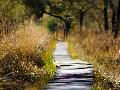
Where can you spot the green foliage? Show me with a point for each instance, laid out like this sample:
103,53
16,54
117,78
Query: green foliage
56,6
52,24
60,8
49,67
37,6
13,10
12,13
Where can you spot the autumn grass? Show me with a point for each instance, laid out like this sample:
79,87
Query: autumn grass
72,51
101,50
24,59
102,83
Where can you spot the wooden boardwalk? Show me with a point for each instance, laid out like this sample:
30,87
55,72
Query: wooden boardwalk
71,74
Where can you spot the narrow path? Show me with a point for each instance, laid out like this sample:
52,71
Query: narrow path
71,74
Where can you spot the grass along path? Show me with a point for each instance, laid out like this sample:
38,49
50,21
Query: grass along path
71,74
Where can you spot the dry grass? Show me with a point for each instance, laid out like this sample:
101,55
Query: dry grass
23,57
101,49
72,51
12,13
25,39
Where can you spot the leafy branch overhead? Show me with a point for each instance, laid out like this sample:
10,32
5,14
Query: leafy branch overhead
100,11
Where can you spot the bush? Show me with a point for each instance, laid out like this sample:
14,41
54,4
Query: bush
12,12
52,24
101,50
23,59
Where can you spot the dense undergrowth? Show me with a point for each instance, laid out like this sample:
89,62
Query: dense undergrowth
12,13
24,57
25,47
101,50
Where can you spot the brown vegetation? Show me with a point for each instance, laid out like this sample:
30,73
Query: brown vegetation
101,50
23,59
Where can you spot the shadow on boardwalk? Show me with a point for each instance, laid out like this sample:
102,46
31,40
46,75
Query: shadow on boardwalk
71,74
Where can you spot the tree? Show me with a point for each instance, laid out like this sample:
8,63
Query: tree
115,7
106,15
67,27
12,12
61,10
37,6
81,8
52,26
118,19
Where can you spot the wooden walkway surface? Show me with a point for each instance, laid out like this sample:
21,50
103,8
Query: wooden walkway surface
71,74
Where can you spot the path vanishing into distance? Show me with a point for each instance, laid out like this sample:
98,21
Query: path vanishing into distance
71,74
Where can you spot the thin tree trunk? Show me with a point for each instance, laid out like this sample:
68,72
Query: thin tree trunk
118,16
106,26
81,19
64,34
99,25
117,25
67,28
113,21
57,34
115,18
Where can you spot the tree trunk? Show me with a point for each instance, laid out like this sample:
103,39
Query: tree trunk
97,20
117,25
67,28
81,19
57,34
106,26
118,13
115,18
113,21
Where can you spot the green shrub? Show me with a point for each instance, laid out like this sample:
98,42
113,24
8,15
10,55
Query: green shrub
12,13
52,24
